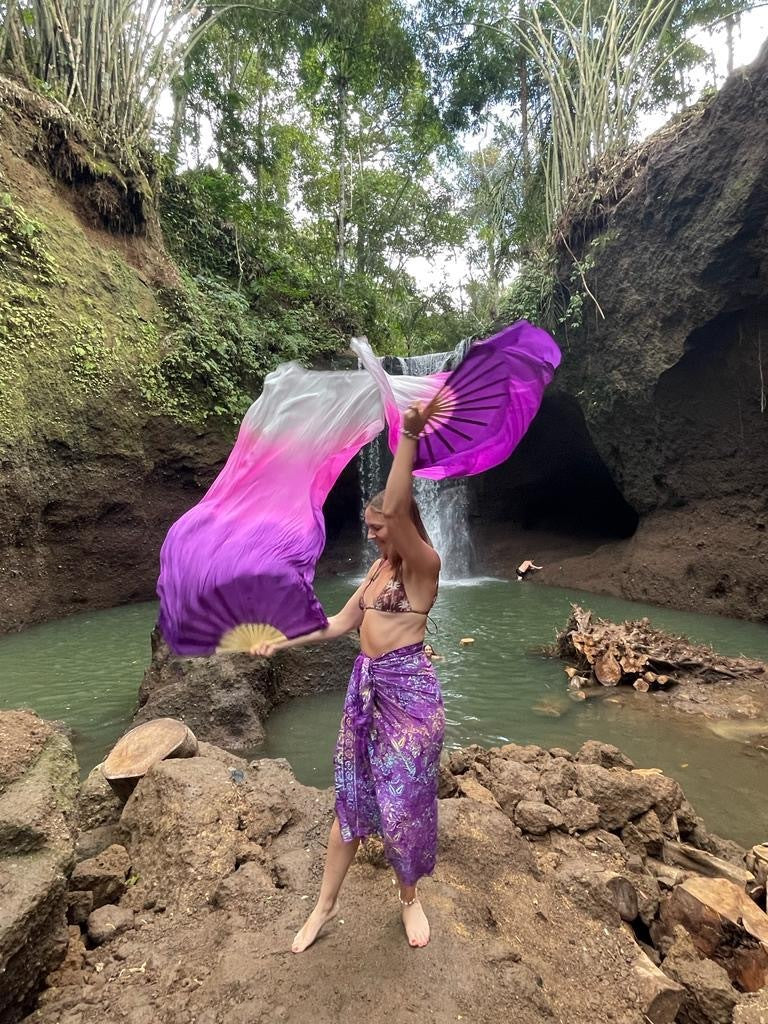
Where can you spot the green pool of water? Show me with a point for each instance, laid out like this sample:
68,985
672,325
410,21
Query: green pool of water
85,670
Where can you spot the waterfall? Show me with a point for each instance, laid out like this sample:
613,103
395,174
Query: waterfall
444,504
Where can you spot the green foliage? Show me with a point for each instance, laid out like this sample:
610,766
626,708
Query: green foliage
21,243
539,294
218,350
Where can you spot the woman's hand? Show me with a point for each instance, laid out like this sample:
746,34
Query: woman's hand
414,418
264,650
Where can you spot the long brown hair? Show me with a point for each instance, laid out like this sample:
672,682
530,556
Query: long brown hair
377,504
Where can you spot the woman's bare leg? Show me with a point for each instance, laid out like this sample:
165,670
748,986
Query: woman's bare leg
338,856
414,919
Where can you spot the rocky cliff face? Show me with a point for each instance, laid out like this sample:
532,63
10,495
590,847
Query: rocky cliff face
660,412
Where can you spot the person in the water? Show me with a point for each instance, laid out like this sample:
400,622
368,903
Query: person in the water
526,568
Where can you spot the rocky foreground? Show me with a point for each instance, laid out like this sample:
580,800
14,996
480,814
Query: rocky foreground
570,887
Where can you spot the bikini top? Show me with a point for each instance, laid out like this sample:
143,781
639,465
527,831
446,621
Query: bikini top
392,598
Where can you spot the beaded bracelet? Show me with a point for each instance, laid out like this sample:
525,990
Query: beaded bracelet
407,433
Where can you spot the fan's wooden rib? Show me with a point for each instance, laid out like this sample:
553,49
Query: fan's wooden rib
429,447
446,443
465,419
450,426
462,394
246,635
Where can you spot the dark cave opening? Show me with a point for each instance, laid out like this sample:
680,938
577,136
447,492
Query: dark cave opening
555,480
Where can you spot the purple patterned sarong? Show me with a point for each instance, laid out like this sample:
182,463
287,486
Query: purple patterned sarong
387,758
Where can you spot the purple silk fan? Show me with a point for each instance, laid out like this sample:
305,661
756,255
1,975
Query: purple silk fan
480,411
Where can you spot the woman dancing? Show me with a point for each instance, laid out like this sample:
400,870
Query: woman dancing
388,751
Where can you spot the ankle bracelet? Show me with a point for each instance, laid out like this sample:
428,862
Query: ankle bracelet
407,903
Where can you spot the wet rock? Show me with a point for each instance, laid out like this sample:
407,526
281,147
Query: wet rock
537,818
103,875
107,922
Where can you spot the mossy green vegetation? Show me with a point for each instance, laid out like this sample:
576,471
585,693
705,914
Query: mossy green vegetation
82,319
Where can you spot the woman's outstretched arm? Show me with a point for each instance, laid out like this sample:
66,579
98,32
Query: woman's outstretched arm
350,617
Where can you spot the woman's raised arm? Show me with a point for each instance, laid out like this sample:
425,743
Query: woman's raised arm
419,556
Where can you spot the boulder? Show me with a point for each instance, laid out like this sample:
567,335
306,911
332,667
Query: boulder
624,795
96,840
38,783
557,780
537,818
659,998
603,754
107,922
709,995
579,815
598,889
104,875
469,786
225,699
528,754
192,821
512,781
723,923
97,802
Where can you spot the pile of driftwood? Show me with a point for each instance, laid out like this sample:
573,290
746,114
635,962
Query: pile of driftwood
611,653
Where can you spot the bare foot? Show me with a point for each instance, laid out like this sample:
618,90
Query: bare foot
416,925
307,935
